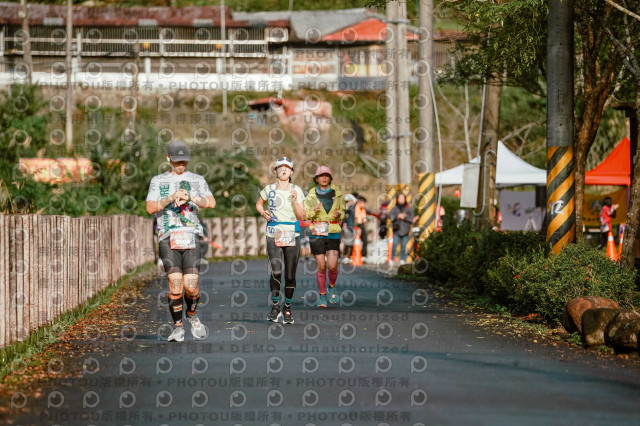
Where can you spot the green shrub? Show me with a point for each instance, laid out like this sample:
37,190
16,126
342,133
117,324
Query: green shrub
446,251
123,163
461,255
512,269
493,246
539,284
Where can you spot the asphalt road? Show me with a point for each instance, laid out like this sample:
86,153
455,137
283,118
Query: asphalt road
387,354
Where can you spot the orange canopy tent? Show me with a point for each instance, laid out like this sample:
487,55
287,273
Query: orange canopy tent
613,170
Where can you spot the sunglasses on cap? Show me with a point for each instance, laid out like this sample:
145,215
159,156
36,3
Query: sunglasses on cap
284,161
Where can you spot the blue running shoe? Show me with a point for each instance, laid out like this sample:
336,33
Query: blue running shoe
322,301
333,294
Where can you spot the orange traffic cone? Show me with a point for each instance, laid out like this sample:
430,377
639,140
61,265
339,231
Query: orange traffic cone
611,247
390,252
620,249
356,256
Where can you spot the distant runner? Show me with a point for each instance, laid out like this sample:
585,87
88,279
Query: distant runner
401,216
283,214
175,197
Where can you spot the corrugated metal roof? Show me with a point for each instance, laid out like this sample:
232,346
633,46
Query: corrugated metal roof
370,30
331,22
39,14
326,21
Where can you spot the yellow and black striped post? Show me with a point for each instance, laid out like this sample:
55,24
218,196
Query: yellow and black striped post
426,204
406,190
392,194
561,213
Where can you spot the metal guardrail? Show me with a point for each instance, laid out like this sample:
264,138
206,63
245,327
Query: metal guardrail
148,41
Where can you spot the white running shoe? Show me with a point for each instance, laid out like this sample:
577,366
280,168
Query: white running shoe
177,335
197,328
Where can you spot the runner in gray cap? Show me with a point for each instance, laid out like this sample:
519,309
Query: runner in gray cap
175,198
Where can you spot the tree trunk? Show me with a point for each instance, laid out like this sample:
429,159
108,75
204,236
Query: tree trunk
627,257
597,77
490,129
69,89
580,158
585,136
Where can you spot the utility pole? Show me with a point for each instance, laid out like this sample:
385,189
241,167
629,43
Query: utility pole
133,114
426,142
391,102
26,44
69,89
223,35
561,214
404,125
488,154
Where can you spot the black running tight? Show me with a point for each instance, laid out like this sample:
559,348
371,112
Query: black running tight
283,258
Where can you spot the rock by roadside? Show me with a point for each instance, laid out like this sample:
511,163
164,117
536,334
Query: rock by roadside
605,324
577,306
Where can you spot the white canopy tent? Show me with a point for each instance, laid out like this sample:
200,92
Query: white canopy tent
511,170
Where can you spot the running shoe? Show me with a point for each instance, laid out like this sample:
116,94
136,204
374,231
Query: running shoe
197,328
275,313
177,335
333,294
322,301
288,318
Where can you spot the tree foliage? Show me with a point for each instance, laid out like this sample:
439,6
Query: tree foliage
505,39
22,127
123,161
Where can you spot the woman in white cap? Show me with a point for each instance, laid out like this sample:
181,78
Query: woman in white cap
325,207
283,212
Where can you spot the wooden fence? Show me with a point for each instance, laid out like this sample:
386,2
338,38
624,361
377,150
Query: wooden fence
50,264
237,236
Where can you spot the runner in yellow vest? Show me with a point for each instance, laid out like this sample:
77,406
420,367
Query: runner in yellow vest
325,207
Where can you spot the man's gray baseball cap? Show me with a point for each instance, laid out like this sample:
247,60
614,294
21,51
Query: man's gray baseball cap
178,151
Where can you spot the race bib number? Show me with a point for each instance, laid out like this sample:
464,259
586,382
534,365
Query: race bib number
320,229
285,238
182,239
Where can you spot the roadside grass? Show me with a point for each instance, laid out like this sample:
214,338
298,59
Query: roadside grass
21,356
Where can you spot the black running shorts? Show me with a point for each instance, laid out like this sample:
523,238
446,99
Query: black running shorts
323,245
183,261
